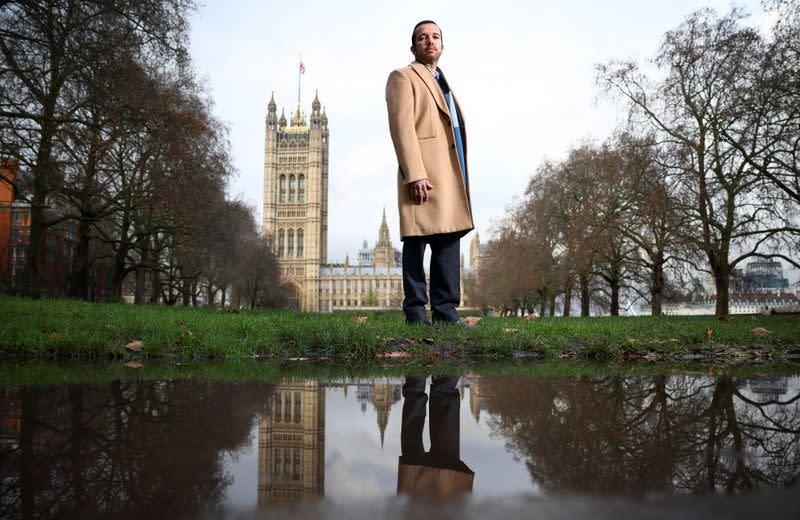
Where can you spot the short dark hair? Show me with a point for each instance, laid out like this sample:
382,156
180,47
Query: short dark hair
423,22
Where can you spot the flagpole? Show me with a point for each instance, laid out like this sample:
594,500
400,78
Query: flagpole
299,71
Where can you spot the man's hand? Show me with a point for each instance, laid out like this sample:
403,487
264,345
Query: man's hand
419,190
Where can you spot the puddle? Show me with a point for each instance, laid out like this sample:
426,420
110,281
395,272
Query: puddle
584,445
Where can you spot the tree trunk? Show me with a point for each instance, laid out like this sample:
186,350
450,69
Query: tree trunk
186,289
80,268
567,297
552,306
141,281
584,282
155,286
43,175
721,281
657,287
543,303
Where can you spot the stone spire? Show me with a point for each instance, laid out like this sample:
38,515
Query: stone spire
383,232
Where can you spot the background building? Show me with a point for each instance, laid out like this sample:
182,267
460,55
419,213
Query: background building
296,216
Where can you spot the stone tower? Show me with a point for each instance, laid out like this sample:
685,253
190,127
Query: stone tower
296,197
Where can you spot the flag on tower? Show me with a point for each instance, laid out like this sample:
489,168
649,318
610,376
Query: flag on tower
302,68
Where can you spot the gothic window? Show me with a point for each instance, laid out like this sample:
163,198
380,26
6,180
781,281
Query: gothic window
297,406
277,469
280,243
301,189
282,188
287,407
300,239
297,464
290,243
292,187
287,463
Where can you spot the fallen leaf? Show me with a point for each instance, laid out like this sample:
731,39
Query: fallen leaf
180,322
360,319
471,321
388,340
633,341
134,345
429,341
133,364
530,317
394,354
761,331
53,335
510,331
673,340
724,318
709,333
753,318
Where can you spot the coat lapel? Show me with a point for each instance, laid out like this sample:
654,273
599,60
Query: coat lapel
423,72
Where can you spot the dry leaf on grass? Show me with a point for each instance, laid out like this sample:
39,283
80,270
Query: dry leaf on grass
753,318
53,335
510,331
394,354
709,333
673,340
529,317
180,322
134,345
471,321
133,364
724,318
360,319
761,331
633,341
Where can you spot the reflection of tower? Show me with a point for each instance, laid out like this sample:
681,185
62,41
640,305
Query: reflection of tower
384,395
363,395
291,444
475,397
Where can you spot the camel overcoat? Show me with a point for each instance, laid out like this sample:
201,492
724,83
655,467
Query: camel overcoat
423,138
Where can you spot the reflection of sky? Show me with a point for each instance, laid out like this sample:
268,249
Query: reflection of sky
356,468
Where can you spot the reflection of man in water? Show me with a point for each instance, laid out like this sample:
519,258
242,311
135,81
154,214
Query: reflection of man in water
439,472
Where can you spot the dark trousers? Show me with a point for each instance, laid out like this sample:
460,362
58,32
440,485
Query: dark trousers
445,277
444,426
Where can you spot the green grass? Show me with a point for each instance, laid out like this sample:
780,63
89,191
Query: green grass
79,331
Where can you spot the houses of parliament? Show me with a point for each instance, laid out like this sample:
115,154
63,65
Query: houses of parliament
295,214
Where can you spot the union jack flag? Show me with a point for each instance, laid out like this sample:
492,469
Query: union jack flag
302,68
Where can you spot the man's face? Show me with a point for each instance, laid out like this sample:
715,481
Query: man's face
427,43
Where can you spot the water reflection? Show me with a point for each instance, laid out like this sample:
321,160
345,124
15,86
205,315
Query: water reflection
632,435
438,472
165,448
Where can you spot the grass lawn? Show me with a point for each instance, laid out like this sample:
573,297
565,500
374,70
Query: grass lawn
75,330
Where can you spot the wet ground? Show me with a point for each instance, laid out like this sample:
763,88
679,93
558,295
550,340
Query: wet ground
688,445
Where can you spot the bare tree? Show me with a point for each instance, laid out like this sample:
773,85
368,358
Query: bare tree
710,63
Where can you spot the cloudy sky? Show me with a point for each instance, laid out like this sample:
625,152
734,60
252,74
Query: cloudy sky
522,70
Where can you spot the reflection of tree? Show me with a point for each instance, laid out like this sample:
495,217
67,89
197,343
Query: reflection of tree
135,449
630,435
